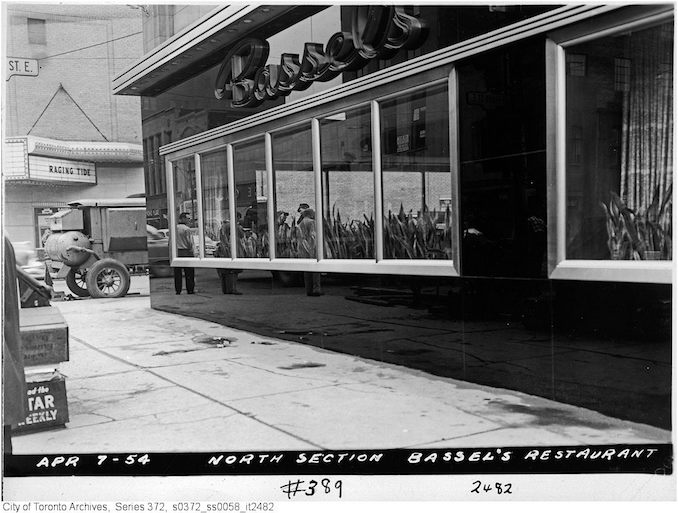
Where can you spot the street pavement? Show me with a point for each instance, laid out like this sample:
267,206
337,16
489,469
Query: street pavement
142,380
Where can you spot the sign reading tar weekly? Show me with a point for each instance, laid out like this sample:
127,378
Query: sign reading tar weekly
59,170
47,405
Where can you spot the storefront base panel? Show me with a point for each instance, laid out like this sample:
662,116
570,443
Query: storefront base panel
606,347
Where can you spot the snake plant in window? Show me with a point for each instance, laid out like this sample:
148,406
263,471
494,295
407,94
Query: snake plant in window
348,240
642,235
423,237
654,226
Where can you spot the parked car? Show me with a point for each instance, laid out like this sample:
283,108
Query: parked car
158,252
210,246
27,259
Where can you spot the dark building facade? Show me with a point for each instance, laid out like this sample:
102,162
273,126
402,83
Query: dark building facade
482,193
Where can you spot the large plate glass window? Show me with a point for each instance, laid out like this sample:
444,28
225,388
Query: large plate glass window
502,153
251,199
619,146
186,200
294,186
215,204
347,185
416,181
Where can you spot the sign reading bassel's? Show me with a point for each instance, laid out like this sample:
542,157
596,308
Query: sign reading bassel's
377,32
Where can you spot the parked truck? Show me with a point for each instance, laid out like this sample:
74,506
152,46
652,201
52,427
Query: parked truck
98,241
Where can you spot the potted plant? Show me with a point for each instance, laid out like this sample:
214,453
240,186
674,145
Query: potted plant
642,235
618,220
654,226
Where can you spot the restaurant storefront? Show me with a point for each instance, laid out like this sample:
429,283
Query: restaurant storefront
482,193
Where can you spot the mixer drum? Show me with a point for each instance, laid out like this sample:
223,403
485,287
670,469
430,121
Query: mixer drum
57,248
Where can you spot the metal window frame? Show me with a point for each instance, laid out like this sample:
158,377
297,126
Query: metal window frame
378,176
367,105
171,216
451,85
199,193
559,266
171,207
232,213
378,265
570,25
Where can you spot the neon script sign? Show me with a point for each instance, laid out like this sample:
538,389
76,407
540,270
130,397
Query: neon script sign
376,32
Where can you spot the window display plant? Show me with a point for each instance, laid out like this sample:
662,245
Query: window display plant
348,240
642,235
425,237
417,238
288,240
654,226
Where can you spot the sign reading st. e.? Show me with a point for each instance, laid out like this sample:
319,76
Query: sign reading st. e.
20,66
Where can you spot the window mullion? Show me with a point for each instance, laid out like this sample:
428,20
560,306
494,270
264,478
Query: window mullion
455,168
198,188
230,176
269,203
317,173
378,197
171,211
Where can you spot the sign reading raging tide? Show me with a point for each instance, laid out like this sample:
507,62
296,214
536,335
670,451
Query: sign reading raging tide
59,170
377,32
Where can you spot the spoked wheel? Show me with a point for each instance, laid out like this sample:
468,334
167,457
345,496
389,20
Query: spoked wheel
76,279
108,278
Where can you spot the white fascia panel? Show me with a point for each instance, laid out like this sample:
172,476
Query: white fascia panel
192,36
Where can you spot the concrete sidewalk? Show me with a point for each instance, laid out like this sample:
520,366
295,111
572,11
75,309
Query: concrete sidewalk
143,380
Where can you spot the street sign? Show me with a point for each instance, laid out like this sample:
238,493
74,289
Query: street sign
20,66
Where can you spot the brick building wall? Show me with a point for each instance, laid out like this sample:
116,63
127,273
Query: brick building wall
79,49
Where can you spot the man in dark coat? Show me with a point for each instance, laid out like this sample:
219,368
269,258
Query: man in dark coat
13,378
306,226
184,249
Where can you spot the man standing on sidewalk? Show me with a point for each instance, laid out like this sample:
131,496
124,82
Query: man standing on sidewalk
306,225
184,249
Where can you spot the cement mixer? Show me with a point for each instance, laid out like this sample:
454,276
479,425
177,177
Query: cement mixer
98,241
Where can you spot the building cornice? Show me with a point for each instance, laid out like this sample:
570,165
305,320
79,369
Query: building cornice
535,26
92,151
204,43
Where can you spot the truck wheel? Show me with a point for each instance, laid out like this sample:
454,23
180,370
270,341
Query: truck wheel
108,278
76,281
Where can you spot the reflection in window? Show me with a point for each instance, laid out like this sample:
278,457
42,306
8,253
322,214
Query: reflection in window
249,171
417,186
294,193
502,149
185,195
576,65
619,197
215,204
348,185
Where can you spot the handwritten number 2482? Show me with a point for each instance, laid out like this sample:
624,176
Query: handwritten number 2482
499,488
